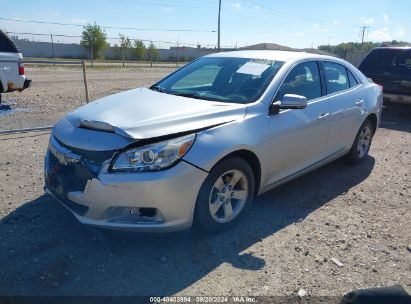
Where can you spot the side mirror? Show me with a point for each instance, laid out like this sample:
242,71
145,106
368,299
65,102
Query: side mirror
289,102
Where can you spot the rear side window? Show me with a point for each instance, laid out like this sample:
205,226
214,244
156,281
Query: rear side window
353,81
387,60
304,80
402,63
378,60
336,77
6,44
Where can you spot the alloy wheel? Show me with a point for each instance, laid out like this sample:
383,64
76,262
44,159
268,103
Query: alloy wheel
364,141
228,196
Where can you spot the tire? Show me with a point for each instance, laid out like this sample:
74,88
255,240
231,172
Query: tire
217,209
362,143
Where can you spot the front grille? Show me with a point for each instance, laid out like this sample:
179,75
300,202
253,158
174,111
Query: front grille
74,176
69,169
97,157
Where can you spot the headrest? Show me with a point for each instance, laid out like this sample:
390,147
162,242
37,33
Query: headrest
332,74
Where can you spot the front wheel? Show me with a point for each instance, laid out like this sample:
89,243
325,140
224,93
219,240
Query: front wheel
225,195
362,143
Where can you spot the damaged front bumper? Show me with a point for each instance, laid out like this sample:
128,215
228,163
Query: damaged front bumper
144,201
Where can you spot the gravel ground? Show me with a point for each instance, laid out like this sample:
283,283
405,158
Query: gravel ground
357,215
58,90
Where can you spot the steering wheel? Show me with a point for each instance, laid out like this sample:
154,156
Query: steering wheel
236,97
251,92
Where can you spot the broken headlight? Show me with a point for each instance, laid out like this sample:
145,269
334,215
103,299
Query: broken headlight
154,157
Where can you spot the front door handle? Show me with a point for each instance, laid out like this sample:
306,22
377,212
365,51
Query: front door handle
323,116
359,102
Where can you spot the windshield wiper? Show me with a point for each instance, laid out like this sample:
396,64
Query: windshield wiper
193,95
158,88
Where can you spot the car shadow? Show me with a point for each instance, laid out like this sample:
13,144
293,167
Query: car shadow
396,117
45,251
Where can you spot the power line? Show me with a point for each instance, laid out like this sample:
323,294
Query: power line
161,4
280,12
43,34
284,27
277,12
107,27
219,28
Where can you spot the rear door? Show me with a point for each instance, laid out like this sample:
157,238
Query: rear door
9,68
401,71
347,100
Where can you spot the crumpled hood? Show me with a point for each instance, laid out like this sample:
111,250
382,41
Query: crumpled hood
143,113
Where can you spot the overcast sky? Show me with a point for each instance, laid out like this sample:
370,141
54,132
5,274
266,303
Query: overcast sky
243,22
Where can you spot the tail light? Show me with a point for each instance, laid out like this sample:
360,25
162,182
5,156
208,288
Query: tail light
21,68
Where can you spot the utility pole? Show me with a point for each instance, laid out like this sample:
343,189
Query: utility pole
178,55
91,39
151,53
362,32
219,14
52,48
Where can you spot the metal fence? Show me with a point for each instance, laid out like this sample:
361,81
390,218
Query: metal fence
54,63
61,85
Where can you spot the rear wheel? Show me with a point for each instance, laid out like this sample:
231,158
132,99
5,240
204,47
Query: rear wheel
225,195
362,143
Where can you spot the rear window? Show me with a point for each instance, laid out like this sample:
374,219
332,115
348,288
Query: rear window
6,44
387,60
352,79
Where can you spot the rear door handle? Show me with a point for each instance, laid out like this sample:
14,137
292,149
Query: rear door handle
323,116
359,102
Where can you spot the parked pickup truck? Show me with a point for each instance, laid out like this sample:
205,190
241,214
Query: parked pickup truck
12,76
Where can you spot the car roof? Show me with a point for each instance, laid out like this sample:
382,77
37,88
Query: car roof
270,55
404,47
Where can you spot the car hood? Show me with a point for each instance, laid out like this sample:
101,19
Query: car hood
143,113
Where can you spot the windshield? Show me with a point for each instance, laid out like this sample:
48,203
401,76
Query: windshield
239,80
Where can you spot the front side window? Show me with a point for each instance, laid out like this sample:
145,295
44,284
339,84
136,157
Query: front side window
336,78
304,80
238,80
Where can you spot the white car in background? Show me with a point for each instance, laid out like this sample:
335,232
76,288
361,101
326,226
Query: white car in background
12,77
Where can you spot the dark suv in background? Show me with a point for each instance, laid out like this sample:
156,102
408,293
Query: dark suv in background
390,67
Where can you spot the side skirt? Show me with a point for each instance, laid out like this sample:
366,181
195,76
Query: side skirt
301,172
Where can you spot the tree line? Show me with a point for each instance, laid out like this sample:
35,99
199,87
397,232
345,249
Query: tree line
345,48
94,40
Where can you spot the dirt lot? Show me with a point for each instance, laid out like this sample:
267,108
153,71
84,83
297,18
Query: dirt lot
57,90
359,215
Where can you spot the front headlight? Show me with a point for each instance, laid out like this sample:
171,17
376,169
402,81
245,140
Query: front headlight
154,157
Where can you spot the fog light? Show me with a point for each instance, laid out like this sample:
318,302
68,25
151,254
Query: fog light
133,215
148,212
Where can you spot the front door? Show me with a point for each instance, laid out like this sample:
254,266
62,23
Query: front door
298,138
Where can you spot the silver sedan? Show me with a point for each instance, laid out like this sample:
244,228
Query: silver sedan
197,146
